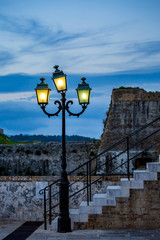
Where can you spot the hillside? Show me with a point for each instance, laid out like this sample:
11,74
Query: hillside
5,140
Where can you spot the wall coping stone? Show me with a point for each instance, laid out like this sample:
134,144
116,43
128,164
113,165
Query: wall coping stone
54,178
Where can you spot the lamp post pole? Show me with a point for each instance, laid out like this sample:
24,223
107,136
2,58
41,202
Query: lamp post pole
43,91
64,221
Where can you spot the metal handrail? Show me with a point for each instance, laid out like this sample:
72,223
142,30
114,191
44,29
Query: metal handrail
89,172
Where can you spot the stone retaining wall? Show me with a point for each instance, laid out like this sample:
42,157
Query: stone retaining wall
20,199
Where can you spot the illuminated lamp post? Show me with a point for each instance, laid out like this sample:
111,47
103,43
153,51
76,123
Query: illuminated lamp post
83,92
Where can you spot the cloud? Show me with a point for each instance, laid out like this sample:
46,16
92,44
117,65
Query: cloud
37,45
6,58
35,30
146,48
18,96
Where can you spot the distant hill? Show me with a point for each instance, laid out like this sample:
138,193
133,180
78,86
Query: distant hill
5,139
54,138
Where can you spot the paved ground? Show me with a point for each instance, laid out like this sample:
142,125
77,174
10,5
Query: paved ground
7,227
40,234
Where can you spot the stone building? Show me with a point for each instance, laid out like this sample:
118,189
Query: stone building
130,109
1,131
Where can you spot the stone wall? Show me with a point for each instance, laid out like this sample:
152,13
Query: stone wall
114,159
44,158
20,199
1,131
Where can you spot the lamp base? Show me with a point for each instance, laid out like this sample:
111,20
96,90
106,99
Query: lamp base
64,224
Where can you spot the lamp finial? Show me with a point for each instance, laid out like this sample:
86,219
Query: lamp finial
56,68
83,79
42,79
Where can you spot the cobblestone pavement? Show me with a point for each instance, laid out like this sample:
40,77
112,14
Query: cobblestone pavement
40,234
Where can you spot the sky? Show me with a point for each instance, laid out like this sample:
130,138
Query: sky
112,43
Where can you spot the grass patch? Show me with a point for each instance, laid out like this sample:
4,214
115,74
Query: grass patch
5,140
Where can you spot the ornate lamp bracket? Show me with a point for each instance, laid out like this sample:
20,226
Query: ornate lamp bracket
52,114
84,106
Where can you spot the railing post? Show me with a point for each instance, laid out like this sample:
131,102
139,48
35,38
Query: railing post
128,163
45,215
87,187
50,205
90,193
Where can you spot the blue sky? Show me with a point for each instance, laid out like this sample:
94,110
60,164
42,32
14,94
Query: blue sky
112,43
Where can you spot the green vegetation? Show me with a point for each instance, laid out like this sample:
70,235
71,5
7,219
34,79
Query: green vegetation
122,87
5,140
41,138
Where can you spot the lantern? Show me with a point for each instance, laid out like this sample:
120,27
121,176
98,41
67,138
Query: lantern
59,79
42,91
83,92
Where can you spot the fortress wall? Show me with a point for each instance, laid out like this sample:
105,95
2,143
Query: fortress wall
130,109
44,159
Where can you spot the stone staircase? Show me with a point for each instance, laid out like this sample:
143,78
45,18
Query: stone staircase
134,203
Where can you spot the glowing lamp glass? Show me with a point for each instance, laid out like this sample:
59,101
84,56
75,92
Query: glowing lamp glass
60,83
43,96
83,96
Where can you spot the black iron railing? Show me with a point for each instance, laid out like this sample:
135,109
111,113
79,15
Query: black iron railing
138,142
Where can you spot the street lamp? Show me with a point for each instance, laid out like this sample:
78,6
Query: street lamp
83,92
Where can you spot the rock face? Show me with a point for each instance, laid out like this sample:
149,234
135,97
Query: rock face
44,158
131,109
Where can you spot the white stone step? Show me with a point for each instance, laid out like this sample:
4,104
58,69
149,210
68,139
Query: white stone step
90,209
132,183
103,200
144,175
76,216
100,199
117,191
153,166
54,224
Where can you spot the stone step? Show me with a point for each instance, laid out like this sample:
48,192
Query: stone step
132,183
76,216
153,166
90,209
117,191
54,224
103,200
144,175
